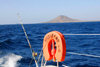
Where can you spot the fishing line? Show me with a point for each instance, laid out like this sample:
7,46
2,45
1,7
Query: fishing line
81,34
89,55
71,34
95,56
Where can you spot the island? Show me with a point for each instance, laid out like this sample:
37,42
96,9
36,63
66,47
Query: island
62,19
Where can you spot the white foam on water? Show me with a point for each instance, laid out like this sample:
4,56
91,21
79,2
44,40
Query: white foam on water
65,66
10,60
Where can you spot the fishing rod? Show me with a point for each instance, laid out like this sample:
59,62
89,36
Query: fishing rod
32,51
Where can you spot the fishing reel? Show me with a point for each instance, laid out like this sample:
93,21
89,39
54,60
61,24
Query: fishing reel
34,53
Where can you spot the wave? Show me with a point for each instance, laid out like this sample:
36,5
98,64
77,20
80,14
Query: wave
10,60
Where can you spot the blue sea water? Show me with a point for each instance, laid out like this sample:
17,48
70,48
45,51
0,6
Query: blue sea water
15,51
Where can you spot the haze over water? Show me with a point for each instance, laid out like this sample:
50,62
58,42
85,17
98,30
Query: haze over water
35,11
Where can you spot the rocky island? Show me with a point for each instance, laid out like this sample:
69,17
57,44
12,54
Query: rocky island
62,19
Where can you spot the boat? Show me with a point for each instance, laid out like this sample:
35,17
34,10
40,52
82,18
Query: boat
54,48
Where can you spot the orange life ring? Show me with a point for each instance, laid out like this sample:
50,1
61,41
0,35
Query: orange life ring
54,46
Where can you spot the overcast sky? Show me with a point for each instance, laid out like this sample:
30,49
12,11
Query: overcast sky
34,11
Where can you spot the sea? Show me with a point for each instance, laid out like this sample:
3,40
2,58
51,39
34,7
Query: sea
15,51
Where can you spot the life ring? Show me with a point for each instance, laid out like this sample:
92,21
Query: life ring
54,46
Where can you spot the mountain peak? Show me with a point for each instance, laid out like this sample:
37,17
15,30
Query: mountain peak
62,18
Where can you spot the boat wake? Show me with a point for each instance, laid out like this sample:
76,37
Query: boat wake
10,60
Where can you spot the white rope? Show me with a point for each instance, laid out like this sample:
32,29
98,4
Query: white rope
40,55
57,64
45,63
81,34
42,63
83,54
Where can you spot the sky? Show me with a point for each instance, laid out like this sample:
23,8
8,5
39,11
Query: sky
35,11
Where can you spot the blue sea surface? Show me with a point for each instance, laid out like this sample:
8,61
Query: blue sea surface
14,46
